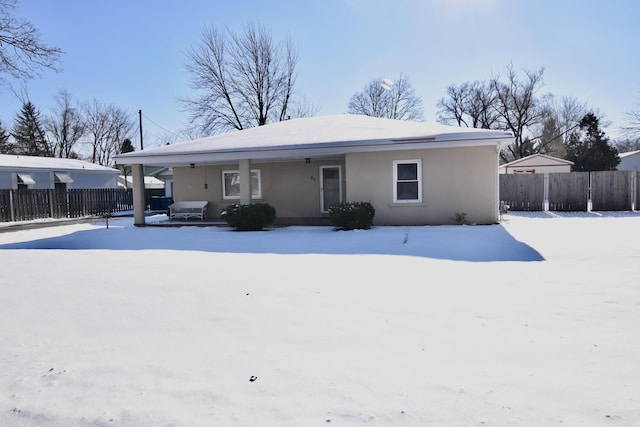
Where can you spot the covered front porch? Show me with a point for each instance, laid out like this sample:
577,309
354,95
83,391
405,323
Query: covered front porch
300,189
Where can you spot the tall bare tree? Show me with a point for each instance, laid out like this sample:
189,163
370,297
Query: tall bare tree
65,126
242,80
22,53
632,128
508,102
519,108
388,99
470,105
625,145
559,120
108,126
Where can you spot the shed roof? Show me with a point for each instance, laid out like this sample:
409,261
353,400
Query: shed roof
539,159
316,136
23,163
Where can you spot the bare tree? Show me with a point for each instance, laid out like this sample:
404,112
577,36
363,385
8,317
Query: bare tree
470,105
519,108
453,109
301,108
559,119
630,140
388,99
22,53
508,103
108,126
632,128
243,80
65,126
97,125
627,144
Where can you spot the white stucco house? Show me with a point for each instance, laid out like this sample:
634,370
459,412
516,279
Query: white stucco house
630,161
537,163
30,172
413,173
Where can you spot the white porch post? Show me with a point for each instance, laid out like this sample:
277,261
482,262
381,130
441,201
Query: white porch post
137,175
245,181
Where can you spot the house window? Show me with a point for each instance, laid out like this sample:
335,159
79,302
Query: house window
407,181
231,184
61,180
24,180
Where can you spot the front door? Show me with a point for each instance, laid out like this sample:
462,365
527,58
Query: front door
330,187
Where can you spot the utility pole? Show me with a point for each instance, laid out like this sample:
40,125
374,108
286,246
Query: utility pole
140,119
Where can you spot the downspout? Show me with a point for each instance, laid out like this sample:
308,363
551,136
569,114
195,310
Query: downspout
497,184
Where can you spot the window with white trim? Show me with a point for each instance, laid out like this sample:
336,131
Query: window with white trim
231,184
407,181
61,180
24,180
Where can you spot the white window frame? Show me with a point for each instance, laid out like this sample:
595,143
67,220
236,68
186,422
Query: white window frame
256,193
418,162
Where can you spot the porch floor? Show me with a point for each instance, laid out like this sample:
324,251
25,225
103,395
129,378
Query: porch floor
279,222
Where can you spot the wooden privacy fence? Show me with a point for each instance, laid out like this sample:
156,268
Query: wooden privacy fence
25,205
575,191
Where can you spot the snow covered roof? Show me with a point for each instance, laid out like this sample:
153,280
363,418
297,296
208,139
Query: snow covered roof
547,159
628,154
150,182
316,136
19,162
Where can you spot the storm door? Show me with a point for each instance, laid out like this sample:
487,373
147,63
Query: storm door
330,186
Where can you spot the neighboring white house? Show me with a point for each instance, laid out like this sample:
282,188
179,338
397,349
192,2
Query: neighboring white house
537,163
166,175
30,172
630,161
150,182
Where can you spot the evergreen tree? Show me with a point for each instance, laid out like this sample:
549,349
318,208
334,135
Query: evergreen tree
28,134
126,146
589,148
6,146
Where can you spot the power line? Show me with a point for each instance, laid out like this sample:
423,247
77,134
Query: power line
160,127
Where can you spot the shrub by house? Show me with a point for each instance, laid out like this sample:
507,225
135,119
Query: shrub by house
352,215
249,217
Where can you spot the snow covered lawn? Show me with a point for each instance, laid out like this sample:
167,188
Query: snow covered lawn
532,322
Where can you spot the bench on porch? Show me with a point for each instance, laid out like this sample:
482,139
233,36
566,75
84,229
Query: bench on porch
188,209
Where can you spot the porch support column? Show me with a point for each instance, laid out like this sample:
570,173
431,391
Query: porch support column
245,181
137,176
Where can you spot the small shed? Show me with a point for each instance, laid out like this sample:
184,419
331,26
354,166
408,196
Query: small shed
630,161
536,163
31,172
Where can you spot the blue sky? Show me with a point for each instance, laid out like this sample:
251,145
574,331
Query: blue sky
132,54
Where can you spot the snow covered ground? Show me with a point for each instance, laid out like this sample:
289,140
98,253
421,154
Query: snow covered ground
533,322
